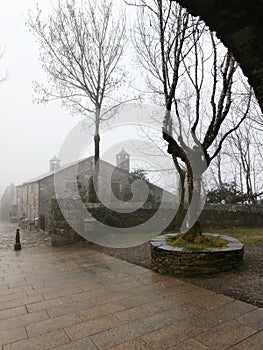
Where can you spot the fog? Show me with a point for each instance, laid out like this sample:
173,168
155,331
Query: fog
31,134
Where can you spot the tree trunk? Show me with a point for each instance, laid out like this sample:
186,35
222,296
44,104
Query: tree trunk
96,155
194,234
179,217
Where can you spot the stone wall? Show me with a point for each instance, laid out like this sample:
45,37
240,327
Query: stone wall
213,216
61,232
230,216
194,262
47,190
220,216
111,218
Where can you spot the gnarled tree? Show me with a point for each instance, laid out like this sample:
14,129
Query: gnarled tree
196,77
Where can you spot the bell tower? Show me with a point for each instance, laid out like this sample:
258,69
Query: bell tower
54,164
123,160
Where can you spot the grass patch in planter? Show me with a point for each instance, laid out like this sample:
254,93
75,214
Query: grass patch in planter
209,242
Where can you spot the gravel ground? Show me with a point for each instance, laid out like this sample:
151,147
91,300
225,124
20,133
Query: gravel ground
245,285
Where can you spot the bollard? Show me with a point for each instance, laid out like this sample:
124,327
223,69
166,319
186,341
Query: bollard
18,243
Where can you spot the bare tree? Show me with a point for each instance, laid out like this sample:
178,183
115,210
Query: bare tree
245,152
81,46
240,161
185,63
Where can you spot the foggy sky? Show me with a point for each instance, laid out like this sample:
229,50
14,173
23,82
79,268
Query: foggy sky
30,134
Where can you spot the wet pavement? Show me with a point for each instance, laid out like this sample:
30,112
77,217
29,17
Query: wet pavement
29,239
75,298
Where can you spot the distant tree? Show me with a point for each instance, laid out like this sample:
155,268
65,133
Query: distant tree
81,46
227,193
140,173
245,153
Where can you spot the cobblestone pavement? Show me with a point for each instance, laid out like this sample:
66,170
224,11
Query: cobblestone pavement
246,284
66,298
29,239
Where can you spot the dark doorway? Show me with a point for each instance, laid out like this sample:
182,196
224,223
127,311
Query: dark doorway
42,220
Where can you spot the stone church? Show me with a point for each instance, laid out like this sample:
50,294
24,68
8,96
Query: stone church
34,198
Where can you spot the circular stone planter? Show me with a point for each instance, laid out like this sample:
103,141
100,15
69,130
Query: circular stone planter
195,262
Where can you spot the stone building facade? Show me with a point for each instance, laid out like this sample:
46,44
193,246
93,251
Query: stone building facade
35,198
8,203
